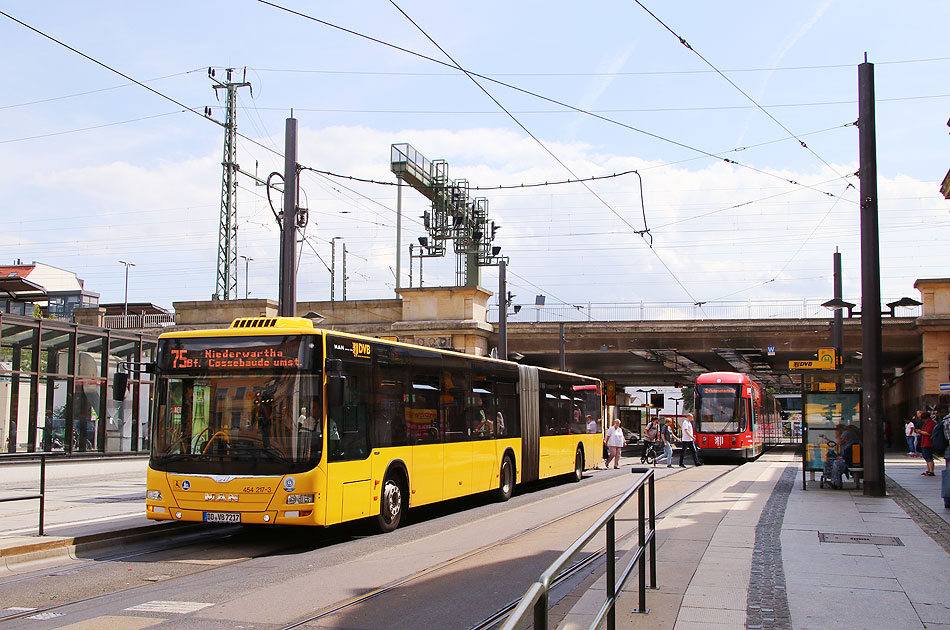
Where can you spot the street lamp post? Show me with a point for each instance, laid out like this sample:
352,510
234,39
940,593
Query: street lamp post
333,266
247,290
125,310
677,404
646,401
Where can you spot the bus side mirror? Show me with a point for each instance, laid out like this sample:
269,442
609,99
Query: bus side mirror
120,382
335,383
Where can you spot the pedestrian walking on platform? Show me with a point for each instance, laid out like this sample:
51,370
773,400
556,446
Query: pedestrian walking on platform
615,441
688,441
666,438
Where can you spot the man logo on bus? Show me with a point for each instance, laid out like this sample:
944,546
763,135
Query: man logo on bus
230,498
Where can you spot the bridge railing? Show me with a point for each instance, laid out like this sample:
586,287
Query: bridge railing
686,311
134,320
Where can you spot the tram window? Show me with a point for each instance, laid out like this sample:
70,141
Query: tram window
455,398
743,414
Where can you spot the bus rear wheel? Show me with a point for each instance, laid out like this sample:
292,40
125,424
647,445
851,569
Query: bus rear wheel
578,465
391,506
506,480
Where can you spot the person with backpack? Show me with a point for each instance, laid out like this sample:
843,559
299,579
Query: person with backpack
650,434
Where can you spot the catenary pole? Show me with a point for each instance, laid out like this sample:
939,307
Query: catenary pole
288,231
502,311
871,376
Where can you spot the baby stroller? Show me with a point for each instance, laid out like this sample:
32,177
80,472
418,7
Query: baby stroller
834,468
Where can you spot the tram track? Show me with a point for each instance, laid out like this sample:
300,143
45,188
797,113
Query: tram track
216,536
501,613
333,539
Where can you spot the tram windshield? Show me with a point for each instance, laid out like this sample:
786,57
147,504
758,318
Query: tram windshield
241,410
719,409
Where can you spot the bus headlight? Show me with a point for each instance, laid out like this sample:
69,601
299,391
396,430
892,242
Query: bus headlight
153,495
299,499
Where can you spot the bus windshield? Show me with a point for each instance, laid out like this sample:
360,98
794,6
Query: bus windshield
718,409
244,416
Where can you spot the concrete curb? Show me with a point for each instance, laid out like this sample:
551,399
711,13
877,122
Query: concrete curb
70,547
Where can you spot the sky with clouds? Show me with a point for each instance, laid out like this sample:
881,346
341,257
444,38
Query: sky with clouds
95,169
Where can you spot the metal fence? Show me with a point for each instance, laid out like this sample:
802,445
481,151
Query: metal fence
124,322
40,495
534,604
686,311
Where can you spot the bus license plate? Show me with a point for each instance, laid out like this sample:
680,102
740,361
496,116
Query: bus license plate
222,517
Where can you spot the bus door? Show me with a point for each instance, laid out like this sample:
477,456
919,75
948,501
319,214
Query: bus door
349,485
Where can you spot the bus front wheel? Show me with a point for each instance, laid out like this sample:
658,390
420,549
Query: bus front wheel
390,506
506,480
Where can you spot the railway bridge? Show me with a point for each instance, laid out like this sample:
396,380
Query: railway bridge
643,344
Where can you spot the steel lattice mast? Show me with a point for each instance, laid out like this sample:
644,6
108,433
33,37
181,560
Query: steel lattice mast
226,287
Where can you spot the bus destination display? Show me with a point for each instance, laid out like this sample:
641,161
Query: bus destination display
235,358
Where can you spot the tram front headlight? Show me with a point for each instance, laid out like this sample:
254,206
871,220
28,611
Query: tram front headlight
299,499
153,495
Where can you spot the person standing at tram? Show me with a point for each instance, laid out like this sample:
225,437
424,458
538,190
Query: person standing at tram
615,441
926,443
666,438
910,432
689,441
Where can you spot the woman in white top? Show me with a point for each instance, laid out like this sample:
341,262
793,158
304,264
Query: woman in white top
910,432
615,442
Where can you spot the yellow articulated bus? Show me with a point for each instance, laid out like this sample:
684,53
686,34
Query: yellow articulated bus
275,421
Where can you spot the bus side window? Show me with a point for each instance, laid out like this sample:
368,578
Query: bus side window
507,417
347,428
392,374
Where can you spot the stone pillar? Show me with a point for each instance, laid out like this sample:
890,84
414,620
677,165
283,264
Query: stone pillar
934,324
449,318
90,316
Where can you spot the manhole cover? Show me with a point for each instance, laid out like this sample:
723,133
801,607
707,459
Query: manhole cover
863,539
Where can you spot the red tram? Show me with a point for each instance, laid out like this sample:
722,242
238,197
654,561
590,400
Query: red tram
734,416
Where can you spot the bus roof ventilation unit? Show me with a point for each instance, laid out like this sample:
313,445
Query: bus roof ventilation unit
272,322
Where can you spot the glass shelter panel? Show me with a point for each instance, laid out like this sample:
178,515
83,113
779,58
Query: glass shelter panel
831,421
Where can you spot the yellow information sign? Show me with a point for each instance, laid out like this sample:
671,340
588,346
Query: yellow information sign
827,360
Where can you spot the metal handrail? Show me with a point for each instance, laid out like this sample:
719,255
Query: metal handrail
535,600
41,496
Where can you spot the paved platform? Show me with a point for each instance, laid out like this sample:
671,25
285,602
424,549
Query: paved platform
755,550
